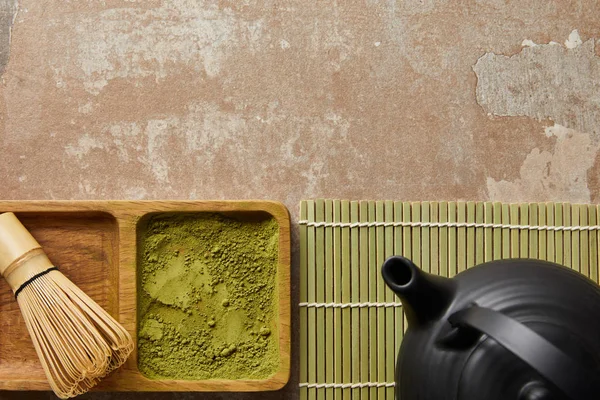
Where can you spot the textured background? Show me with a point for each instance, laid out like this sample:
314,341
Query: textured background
406,100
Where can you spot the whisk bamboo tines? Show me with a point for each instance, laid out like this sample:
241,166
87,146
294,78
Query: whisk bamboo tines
77,342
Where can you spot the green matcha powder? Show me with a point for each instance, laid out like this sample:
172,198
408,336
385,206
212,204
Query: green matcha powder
207,308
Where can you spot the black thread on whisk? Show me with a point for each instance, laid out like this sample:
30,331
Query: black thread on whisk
33,278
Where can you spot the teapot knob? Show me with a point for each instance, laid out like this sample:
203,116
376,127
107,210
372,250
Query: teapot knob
536,391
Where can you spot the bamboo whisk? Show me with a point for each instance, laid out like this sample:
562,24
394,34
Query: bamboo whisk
76,341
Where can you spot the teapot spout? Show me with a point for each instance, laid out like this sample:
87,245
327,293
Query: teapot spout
424,297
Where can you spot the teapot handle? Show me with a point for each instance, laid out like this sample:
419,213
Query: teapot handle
549,361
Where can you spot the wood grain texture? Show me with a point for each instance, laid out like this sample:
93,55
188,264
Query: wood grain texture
94,244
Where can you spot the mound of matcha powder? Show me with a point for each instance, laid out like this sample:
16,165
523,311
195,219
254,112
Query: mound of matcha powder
207,305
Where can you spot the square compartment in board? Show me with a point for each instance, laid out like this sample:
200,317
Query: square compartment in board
208,296
84,247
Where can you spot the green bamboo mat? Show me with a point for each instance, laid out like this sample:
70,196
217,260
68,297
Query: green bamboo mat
351,324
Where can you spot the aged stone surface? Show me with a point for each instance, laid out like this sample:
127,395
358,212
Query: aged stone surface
544,81
8,11
561,171
371,99
547,82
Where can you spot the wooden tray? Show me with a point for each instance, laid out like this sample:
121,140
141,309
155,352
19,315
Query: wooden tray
94,243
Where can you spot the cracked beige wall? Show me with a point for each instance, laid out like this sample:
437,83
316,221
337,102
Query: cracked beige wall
271,99
548,82
550,174
8,12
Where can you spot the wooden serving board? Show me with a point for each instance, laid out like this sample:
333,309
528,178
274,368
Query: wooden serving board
94,243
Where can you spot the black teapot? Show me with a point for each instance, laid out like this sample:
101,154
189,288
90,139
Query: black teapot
517,329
